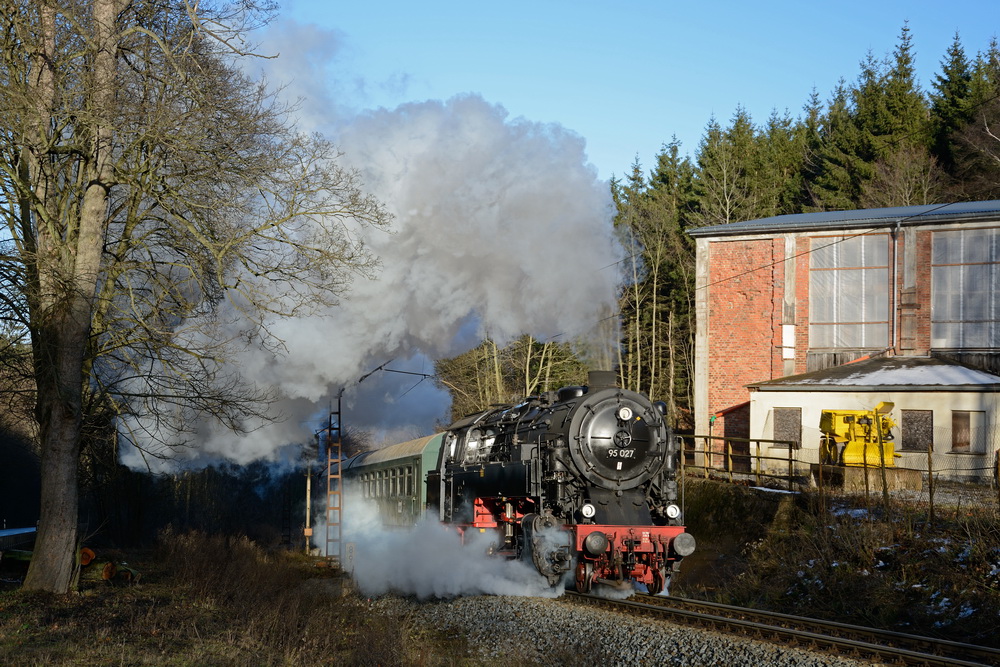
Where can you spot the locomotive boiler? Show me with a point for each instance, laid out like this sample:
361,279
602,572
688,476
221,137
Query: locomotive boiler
580,481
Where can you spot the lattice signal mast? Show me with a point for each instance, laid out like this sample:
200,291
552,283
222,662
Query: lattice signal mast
334,484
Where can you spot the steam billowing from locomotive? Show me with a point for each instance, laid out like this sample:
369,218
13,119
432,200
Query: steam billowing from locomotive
501,228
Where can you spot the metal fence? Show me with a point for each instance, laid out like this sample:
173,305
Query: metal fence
940,483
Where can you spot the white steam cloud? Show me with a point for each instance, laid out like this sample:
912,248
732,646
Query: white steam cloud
501,228
429,560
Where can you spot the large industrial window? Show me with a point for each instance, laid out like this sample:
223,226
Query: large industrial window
965,281
849,292
968,431
916,429
788,425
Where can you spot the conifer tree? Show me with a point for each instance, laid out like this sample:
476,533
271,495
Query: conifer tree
951,102
836,184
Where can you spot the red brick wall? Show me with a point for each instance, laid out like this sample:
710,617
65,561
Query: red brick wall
923,310
802,247
746,286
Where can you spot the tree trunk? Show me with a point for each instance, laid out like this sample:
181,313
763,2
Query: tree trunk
66,271
53,563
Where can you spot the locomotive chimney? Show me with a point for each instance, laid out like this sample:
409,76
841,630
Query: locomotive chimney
601,379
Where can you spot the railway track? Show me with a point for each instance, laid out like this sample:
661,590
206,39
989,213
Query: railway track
840,638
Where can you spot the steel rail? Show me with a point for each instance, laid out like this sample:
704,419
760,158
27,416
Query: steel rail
811,632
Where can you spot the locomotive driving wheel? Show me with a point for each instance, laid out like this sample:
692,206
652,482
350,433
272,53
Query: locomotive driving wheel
584,577
659,581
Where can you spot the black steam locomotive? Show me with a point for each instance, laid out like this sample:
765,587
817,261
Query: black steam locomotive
581,479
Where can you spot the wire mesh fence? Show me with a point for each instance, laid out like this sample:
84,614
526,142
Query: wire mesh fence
925,482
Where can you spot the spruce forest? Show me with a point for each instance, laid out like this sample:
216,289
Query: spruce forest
879,140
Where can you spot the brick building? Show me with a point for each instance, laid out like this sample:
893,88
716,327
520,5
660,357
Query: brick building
782,302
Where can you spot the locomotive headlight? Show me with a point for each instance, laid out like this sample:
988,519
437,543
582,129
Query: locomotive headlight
625,413
588,511
673,511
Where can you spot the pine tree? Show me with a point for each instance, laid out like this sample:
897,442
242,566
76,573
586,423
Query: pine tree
951,103
836,184
781,150
905,103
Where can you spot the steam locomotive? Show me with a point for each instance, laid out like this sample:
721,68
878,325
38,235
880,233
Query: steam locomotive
581,480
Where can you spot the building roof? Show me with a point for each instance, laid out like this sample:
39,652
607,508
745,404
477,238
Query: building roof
888,374
858,219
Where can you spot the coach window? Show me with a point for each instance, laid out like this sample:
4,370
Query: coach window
968,431
409,480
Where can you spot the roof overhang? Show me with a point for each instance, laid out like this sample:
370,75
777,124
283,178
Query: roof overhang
882,374
871,218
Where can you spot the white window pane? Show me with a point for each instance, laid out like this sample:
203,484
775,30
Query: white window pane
946,334
947,248
876,335
976,245
975,334
820,335
822,296
824,253
851,252
876,251
946,304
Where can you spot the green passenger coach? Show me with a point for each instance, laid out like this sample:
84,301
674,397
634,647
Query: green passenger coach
393,478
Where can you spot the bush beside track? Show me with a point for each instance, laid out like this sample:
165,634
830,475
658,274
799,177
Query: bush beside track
838,559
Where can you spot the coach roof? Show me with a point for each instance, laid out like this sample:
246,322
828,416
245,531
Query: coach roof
858,219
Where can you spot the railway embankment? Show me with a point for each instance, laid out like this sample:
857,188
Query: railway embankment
849,558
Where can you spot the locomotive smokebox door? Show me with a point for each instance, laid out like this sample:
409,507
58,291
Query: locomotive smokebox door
616,439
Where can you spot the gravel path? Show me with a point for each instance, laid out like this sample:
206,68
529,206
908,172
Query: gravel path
521,630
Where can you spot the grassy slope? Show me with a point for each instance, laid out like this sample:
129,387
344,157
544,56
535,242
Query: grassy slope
893,569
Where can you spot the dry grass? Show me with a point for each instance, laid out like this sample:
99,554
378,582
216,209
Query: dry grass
209,600
892,569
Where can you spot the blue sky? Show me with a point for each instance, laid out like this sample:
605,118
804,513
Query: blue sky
490,130
625,76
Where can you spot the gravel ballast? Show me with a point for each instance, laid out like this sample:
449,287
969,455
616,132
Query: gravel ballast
544,631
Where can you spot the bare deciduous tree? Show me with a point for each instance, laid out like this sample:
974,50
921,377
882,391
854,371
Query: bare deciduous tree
159,213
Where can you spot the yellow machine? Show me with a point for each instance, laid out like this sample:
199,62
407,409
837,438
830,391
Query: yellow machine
866,437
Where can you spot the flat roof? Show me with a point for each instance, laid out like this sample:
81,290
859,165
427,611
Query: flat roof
888,374
859,219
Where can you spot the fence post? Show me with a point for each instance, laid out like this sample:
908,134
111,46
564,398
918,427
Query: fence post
819,481
706,457
757,464
729,459
930,482
790,467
